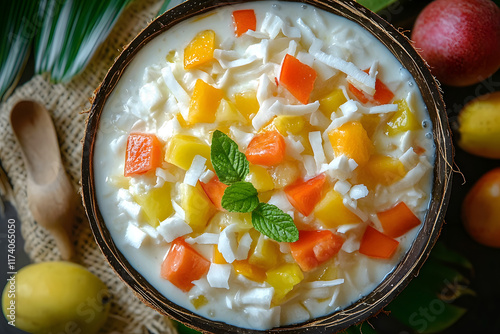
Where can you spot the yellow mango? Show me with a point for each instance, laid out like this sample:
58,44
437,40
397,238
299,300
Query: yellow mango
370,123
247,104
218,258
381,169
200,50
182,149
284,174
156,204
331,103
332,212
182,122
197,206
351,140
204,103
251,272
403,120
226,112
260,178
199,301
266,253
283,279
289,124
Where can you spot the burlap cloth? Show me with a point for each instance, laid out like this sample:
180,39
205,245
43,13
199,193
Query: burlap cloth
66,103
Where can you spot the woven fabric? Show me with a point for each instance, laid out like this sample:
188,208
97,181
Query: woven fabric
66,104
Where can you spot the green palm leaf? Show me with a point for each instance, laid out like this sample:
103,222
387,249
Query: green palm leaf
17,28
71,32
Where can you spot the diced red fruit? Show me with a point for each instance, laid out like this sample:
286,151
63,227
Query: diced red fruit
143,154
266,149
214,190
298,78
244,20
378,245
315,247
383,95
398,220
304,195
183,265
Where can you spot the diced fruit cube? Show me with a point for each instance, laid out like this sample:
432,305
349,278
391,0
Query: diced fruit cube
244,20
289,124
304,195
284,174
204,103
251,272
199,301
266,149
332,212
200,50
197,206
376,244
218,257
182,149
298,78
331,103
227,113
383,95
143,153
370,123
403,120
398,220
260,178
351,140
266,253
157,204
183,265
214,190
247,104
283,279
223,219
381,169
315,247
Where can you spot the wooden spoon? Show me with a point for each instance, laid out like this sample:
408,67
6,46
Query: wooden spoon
51,197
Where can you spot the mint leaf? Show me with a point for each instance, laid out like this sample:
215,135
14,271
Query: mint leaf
240,197
229,163
269,220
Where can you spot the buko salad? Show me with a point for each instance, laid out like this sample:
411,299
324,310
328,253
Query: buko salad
264,164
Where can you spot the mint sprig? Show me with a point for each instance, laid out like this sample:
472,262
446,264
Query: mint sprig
240,197
229,163
231,167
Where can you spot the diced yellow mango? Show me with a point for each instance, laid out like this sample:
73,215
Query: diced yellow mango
260,178
351,140
370,123
227,113
199,301
332,212
247,104
182,149
331,103
156,204
284,174
218,258
182,122
204,103
289,124
403,120
200,50
197,206
266,253
283,279
251,272
381,169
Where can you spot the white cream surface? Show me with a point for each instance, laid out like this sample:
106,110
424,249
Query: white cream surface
142,102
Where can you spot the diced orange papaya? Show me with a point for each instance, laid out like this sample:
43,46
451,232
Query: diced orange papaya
298,78
266,149
304,195
351,140
378,245
200,50
332,212
214,190
183,265
204,103
398,220
243,21
143,153
381,169
403,120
